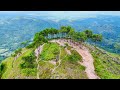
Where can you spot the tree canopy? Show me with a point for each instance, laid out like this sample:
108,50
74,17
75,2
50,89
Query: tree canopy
64,32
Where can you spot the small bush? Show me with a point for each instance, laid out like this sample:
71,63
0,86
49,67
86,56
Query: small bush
69,47
2,69
28,61
66,44
74,57
82,67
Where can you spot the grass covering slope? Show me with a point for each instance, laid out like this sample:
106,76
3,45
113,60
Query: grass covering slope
107,65
49,51
12,67
68,69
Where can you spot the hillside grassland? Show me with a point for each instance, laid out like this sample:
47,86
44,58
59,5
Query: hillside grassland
49,50
12,67
107,65
66,56
67,69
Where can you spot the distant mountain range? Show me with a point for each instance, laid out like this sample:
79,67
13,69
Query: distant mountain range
16,29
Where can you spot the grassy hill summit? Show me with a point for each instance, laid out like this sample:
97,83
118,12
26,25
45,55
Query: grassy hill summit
61,54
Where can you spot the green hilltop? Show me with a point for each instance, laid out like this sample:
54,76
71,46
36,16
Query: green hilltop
47,57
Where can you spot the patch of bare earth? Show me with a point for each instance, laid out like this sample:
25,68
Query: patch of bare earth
52,62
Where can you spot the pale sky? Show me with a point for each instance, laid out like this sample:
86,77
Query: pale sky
65,12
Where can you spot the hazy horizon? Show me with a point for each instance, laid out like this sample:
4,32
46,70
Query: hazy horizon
65,12
61,14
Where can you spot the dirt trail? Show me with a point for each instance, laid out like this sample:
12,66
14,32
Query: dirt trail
37,52
87,59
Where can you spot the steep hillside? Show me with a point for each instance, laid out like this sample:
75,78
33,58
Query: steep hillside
107,65
66,68
11,68
61,54
61,62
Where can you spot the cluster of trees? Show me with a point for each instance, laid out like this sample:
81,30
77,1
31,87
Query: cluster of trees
64,32
29,61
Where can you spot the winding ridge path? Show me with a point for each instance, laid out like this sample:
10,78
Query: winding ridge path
87,59
37,52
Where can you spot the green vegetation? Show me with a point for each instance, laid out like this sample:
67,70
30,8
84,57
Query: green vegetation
2,69
117,47
82,36
29,71
24,44
66,32
29,61
107,65
30,46
97,37
28,66
52,56
75,56
16,52
50,51
39,40
69,69
67,46
12,67
89,33
63,53
45,70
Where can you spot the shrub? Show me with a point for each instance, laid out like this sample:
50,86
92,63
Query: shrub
66,44
69,47
82,67
2,69
28,61
56,51
74,57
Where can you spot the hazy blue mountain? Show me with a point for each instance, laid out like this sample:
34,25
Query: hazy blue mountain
16,29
